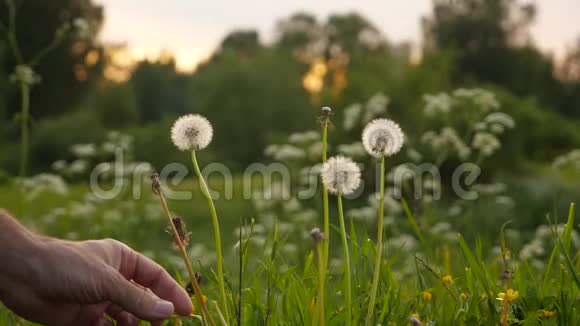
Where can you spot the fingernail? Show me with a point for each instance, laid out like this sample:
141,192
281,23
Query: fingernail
163,309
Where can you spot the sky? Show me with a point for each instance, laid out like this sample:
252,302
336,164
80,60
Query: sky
192,29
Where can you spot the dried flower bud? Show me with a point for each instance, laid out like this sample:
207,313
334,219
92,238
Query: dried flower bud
415,321
325,114
317,235
181,228
155,183
189,288
506,275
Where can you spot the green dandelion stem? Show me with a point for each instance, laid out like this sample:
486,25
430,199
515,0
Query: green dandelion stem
377,273
197,290
326,213
348,293
24,117
321,276
217,236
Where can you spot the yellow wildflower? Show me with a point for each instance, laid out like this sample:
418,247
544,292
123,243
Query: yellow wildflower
427,296
484,296
447,279
509,296
415,319
463,297
545,313
204,298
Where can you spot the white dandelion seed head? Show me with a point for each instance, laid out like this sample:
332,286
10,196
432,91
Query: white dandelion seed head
382,137
340,175
191,132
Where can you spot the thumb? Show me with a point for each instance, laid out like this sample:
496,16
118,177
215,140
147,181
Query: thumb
139,301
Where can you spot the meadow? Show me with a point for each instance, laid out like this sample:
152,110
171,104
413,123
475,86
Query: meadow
327,176
440,262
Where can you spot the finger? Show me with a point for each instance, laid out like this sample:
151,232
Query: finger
28,305
122,317
86,314
149,274
141,303
103,322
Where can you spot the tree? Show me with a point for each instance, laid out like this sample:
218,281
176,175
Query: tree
490,42
160,89
67,71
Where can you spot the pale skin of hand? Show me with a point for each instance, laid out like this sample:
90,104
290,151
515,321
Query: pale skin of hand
56,282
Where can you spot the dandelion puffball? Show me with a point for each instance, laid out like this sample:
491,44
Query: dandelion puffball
340,175
191,132
382,137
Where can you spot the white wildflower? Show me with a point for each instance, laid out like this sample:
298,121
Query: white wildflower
370,38
191,132
314,150
440,228
485,100
382,137
341,175
59,165
25,74
414,155
569,159
84,150
284,152
401,173
352,116
303,137
446,141
376,106
293,205
366,214
486,143
78,167
392,205
305,216
501,118
403,242
44,182
437,104
355,149
82,28
309,174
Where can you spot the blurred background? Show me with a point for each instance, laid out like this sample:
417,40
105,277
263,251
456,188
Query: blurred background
261,71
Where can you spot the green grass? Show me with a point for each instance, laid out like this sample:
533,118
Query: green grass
266,284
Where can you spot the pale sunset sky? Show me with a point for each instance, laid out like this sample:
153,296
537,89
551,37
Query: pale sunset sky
191,29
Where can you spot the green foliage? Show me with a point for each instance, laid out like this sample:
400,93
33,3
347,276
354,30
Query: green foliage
66,75
116,106
264,87
159,89
52,138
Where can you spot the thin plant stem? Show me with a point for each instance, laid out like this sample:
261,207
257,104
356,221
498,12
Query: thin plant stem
24,117
177,237
219,313
56,41
325,194
241,273
11,32
217,236
346,262
321,276
326,223
379,258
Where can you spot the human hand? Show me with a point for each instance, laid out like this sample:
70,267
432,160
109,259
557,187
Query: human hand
56,282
